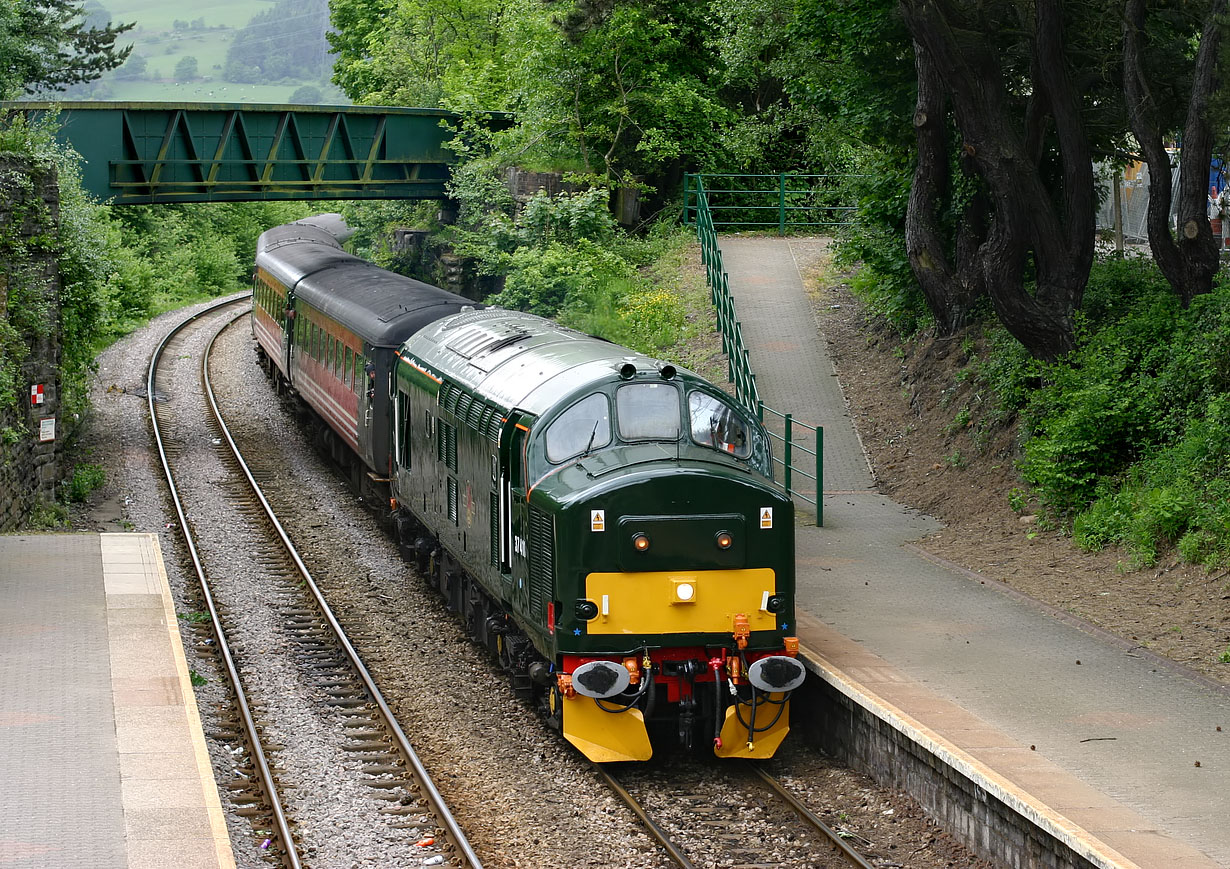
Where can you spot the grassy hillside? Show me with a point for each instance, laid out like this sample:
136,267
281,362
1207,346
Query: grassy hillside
167,32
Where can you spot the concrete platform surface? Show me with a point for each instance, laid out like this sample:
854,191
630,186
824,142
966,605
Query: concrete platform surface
1148,771
104,760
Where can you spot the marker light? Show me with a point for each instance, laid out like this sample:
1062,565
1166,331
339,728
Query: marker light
685,592
723,539
640,541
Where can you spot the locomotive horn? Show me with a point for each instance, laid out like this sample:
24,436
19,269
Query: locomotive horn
667,371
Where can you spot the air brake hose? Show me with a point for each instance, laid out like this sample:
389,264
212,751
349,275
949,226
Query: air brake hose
719,707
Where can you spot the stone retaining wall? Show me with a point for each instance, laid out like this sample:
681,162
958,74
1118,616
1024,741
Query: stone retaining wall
30,464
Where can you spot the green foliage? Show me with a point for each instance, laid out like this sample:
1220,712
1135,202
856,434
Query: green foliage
85,479
48,517
307,95
48,45
884,281
186,68
1129,437
542,278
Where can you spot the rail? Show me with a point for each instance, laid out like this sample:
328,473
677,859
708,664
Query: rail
264,773
780,201
739,365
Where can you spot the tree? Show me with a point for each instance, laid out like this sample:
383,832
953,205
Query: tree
1190,260
45,45
1033,157
134,67
307,95
284,42
186,69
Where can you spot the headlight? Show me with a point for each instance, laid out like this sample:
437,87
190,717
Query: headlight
723,539
685,591
586,610
640,541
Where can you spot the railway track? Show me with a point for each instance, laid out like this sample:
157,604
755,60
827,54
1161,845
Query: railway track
293,671
721,817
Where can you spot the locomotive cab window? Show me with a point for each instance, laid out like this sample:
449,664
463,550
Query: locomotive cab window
584,426
716,424
648,412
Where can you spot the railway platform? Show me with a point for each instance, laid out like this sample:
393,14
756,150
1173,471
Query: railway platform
1127,754
104,761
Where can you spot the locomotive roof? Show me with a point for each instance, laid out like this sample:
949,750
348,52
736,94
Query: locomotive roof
520,360
382,307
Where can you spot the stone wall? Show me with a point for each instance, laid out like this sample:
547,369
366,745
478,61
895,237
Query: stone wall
31,435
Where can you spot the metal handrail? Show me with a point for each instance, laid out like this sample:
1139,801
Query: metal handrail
739,362
777,197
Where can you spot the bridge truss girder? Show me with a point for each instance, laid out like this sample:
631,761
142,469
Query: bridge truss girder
140,153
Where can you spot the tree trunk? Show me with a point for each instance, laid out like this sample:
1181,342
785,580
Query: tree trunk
1026,223
1190,260
950,293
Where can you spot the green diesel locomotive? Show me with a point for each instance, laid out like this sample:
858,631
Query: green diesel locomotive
607,524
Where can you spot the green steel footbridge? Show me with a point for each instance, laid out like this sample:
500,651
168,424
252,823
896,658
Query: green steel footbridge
140,153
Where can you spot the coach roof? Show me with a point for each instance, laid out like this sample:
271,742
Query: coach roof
382,307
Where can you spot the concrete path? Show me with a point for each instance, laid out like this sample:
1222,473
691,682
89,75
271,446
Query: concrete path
1119,721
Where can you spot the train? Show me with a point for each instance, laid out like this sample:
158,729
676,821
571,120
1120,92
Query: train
606,523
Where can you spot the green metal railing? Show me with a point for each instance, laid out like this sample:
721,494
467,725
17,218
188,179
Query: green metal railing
739,370
738,362
782,201
797,459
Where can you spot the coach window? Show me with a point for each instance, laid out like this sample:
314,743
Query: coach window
716,424
348,366
647,412
337,360
584,426
359,361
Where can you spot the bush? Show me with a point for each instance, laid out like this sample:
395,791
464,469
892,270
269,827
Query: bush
86,478
541,280
1129,437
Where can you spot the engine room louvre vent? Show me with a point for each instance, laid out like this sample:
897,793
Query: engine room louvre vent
542,560
448,396
446,445
475,414
452,500
479,338
463,406
495,530
489,424
493,426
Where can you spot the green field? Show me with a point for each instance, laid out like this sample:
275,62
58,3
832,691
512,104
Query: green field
163,45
